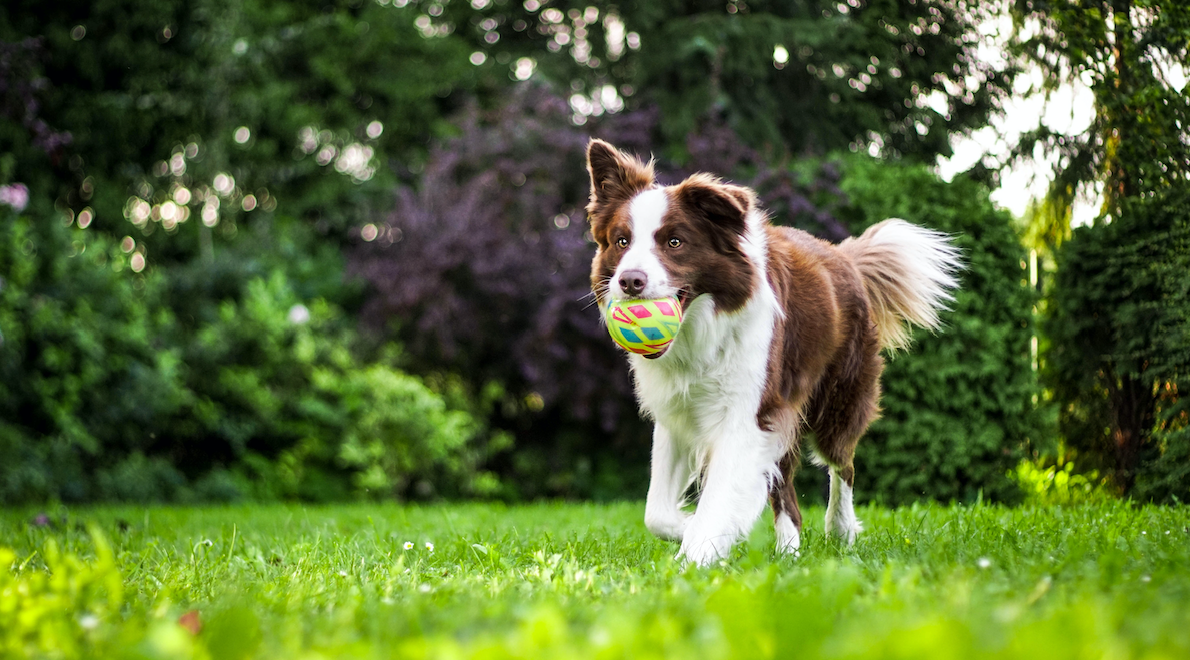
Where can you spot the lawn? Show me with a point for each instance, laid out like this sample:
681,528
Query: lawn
587,580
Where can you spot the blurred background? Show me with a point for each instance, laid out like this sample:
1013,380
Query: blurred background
326,251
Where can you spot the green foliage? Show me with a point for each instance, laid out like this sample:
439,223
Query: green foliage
960,406
579,581
1049,484
1125,51
853,75
153,94
791,77
54,612
1164,474
82,366
275,379
105,394
1118,323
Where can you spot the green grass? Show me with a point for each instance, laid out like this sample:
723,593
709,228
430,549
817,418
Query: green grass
562,580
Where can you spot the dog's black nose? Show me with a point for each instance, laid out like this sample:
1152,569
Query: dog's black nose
633,281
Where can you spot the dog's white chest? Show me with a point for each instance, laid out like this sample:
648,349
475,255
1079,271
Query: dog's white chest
713,375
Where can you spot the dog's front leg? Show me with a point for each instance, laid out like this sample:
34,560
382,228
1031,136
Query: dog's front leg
670,475
737,484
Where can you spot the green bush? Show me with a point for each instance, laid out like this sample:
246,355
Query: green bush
1118,326
1045,482
275,380
106,394
959,407
83,369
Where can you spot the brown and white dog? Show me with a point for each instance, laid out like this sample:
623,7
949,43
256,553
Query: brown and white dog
782,332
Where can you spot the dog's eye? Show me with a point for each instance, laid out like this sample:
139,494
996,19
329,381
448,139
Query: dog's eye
675,242
622,242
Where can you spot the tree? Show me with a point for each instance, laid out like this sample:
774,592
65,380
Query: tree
1106,363
800,76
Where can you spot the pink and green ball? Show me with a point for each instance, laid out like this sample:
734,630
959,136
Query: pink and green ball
644,327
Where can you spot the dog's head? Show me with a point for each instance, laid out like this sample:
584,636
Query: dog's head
682,241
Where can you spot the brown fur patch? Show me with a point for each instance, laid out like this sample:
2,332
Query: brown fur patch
615,178
782,497
825,364
708,218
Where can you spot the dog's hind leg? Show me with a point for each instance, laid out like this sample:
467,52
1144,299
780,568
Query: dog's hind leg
841,413
840,510
787,517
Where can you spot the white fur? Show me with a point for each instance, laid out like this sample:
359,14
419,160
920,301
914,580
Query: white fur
840,511
933,261
789,539
646,210
703,394
928,262
671,473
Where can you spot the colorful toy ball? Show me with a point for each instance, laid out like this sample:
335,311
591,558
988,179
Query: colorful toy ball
645,327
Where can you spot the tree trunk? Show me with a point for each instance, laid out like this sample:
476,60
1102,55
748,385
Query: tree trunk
1132,414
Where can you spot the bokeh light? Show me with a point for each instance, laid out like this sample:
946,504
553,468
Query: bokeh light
299,314
210,211
356,160
780,56
524,68
224,183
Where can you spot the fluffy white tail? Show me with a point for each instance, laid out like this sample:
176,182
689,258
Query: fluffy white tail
908,272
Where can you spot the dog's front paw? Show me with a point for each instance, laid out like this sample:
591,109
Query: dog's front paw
703,549
670,526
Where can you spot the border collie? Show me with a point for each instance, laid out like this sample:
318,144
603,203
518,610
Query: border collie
782,332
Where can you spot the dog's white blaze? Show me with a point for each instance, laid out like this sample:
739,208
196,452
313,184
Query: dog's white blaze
788,538
647,211
840,511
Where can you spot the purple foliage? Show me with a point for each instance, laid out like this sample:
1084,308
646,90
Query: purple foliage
486,265
20,86
483,266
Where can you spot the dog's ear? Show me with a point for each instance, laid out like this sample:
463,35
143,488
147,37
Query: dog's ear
615,176
722,207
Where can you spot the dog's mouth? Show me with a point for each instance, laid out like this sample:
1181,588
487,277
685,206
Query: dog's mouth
685,295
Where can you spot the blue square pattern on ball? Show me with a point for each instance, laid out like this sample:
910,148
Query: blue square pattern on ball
630,336
653,334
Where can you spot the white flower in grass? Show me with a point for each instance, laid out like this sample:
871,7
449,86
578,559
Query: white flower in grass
429,546
408,545
984,562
